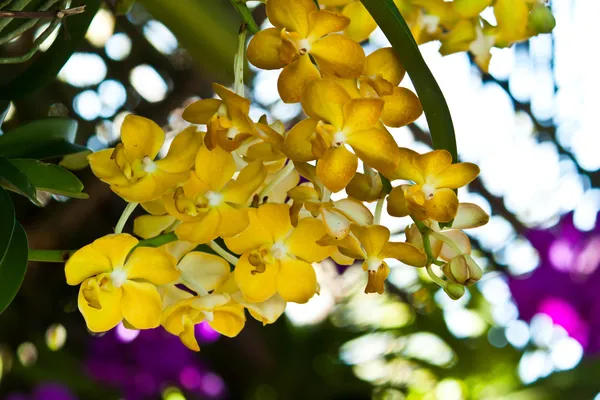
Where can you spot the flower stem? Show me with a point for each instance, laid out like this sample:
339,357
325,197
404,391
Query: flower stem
245,13
230,258
446,240
54,256
439,281
277,179
238,63
158,240
378,210
125,216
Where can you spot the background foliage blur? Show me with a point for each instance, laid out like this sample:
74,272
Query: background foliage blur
529,329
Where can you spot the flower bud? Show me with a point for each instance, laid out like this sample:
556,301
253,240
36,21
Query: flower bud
462,270
454,290
541,19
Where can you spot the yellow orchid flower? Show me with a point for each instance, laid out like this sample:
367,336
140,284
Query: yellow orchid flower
302,31
371,244
223,315
211,203
276,257
206,275
116,285
227,120
336,121
470,8
267,146
131,169
512,17
383,74
336,216
468,216
434,176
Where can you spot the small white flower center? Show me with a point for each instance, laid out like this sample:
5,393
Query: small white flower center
428,191
304,45
232,133
278,251
373,263
208,315
214,198
430,23
339,138
149,165
118,277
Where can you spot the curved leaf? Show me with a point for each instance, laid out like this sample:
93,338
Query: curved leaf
14,180
50,178
13,267
436,110
44,138
7,216
47,65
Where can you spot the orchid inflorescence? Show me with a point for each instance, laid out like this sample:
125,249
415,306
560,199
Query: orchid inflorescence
243,208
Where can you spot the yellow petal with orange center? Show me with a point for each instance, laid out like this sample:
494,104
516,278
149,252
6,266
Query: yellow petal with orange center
325,100
105,168
228,320
322,22
141,304
214,167
182,151
396,204
141,137
302,241
443,206
338,55
202,229
372,238
201,111
151,264
294,79
149,226
254,236
361,114
376,147
385,62
456,175
296,281
108,315
258,286
298,142
361,23
263,49
432,163
292,15
401,108
336,168
404,252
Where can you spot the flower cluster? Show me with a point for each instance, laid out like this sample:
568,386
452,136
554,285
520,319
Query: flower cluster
460,25
239,210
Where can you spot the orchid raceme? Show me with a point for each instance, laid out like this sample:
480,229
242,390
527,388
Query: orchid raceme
335,122
301,32
131,169
276,257
435,177
268,200
118,283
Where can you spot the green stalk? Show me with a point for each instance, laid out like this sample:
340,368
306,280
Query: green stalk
245,13
436,110
54,256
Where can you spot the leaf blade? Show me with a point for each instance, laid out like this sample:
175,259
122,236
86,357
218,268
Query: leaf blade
15,180
50,178
13,267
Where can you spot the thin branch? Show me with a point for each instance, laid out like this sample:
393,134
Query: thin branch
60,14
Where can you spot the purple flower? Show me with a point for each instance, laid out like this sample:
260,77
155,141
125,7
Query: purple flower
565,285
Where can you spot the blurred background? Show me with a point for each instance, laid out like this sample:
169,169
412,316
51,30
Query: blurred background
530,329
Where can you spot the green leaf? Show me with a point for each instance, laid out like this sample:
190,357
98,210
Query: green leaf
394,27
14,180
76,161
7,216
44,138
13,266
50,178
47,65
